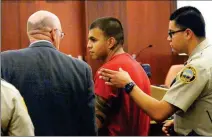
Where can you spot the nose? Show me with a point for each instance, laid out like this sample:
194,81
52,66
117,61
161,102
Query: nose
89,45
168,38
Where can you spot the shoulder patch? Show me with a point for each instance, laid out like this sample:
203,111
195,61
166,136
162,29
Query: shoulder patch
188,74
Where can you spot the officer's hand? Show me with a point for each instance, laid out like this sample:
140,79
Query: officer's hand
167,126
115,78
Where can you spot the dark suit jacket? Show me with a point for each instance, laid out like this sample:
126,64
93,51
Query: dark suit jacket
57,89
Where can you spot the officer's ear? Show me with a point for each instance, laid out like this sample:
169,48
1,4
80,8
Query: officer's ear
188,33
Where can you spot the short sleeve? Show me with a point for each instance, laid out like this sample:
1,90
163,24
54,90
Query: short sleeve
103,90
190,83
21,117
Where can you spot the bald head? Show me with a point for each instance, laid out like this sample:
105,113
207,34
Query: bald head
44,25
43,20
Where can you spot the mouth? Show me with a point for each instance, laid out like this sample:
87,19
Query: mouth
91,52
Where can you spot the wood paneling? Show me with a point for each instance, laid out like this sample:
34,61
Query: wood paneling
25,10
148,25
10,26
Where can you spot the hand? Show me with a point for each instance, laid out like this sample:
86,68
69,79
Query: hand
115,78
167,126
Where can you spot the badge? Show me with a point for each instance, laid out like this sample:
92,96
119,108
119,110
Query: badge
188,74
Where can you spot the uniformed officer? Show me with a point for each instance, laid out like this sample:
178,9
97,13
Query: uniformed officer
15,120
190,96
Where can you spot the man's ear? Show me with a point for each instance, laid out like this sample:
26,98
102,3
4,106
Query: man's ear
55,39
53,35
111,42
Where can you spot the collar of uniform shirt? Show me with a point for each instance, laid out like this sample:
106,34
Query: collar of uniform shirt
39,41
204,44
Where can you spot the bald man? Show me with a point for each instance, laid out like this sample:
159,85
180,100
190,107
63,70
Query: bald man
57,88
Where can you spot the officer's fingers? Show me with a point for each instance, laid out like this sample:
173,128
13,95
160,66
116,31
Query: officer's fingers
104,78
108,71
105,74
167,134
168,124
164,129
112,82
109,83
121,70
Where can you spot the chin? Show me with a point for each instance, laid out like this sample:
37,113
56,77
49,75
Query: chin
94,57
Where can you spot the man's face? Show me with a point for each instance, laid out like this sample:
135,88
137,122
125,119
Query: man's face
176,37
97,44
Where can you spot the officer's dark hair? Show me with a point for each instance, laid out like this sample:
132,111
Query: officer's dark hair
189,17
111,27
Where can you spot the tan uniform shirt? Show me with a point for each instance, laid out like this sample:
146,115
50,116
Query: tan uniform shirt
14,115
192,93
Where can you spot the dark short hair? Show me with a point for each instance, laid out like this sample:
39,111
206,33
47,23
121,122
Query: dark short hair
111,27
189,17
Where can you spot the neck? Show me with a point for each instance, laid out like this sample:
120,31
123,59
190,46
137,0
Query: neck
112,52
34,40
37,37
194,43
